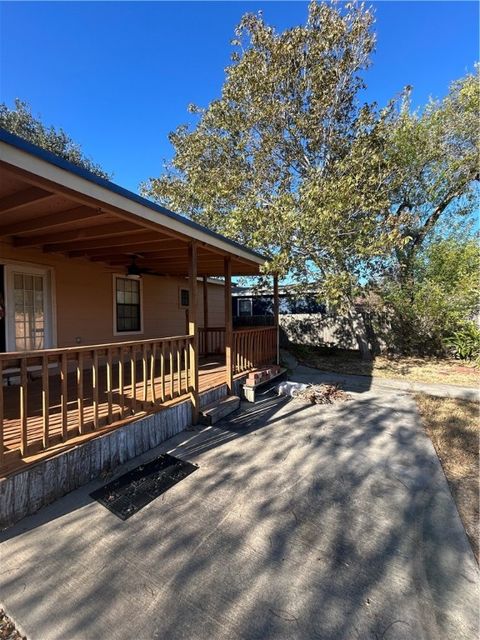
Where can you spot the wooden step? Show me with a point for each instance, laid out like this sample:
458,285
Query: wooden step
250,391
215,411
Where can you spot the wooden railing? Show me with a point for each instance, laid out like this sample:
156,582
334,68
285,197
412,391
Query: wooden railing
50,396
253,347
211,340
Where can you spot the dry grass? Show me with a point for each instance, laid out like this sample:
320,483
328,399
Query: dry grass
430,370
454,428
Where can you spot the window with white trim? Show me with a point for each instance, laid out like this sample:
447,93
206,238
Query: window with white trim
128,305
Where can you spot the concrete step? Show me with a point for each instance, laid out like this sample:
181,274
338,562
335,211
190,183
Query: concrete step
214,412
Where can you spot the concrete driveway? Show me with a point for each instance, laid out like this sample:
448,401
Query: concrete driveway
302,522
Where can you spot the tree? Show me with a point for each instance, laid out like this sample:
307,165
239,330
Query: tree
441,297
437,156
21,122
288,161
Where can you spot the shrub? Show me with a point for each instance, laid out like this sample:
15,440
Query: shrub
465,343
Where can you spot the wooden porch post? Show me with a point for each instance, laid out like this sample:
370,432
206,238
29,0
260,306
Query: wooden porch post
193,329
275,315
228,326
205,302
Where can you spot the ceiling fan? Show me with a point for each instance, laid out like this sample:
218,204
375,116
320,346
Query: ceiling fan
136,272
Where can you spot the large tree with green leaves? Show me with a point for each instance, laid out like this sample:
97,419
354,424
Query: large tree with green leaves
437,159
23,123
289,161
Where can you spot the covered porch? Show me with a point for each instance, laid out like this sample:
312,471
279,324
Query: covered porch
68,228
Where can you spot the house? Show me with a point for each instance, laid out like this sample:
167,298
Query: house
255,307
115,324
302,318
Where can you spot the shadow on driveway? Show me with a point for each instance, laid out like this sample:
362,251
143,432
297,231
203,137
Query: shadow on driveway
302,522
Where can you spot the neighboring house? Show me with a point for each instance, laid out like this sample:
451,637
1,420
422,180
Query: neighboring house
256,307
107,302
305,320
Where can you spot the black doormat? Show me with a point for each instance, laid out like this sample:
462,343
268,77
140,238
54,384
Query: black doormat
131,492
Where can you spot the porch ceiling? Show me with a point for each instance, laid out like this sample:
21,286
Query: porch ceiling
58,210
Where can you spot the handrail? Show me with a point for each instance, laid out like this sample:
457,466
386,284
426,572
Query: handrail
259,329
85,347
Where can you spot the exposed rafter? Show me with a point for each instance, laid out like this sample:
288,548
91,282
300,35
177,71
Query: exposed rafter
99,252
21,199
50,221
129,240
110,230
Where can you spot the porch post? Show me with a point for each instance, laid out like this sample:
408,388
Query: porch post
275,315
205,302
228,326
193,329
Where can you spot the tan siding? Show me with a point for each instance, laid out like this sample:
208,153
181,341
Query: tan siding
84,300
216,305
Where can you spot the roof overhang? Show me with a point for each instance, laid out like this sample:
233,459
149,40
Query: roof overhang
50,204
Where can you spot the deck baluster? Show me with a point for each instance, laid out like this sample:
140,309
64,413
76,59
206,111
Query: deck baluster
109,385
95,383
64,394
145,371
81,422
23,406
153,354
133,377
45,402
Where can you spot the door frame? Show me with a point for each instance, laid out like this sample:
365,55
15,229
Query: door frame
50,300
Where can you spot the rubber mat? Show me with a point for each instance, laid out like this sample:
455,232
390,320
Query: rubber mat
134,490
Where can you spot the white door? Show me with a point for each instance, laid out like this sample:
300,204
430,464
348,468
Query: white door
28,308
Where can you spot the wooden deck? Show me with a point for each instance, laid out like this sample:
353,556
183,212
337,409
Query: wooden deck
127,407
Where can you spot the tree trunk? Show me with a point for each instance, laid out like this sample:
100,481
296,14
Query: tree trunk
359,330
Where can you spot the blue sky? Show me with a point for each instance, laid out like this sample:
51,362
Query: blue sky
118,76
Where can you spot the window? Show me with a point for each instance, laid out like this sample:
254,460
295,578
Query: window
244,307
184,298
127,305
28,321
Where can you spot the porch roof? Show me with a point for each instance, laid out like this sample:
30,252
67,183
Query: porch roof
55,206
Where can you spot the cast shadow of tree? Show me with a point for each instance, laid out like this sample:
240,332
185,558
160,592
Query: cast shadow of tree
292,528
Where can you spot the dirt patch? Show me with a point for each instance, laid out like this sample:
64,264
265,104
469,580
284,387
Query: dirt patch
463,369
454,428
7,628
429,370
